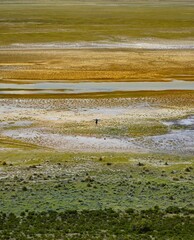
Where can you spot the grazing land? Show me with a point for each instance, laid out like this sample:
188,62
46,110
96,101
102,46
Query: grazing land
128,175
100,224
139,155
75,21
96,65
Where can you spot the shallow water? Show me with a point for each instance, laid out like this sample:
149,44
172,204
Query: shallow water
176,141
186,122
91,87
131,44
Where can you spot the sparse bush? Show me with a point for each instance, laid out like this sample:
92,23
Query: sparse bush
24,188
98,224
173,209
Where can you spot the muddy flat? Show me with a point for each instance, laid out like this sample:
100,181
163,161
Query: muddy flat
69,125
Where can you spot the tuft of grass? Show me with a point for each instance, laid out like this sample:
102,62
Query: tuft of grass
85,181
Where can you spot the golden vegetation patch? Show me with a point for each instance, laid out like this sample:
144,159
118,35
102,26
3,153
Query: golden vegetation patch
101,65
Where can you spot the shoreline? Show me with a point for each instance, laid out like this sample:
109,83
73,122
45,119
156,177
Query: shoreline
116,94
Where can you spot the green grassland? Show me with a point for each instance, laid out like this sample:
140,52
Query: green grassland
78,21
35,181
45,180
113,129
53,195
173,223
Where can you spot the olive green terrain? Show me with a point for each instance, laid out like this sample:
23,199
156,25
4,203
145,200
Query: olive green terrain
52,194
66,181
173,223
94,21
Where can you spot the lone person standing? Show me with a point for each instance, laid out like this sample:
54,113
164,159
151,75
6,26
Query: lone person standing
96,121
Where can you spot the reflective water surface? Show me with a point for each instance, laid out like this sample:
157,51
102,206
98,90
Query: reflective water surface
91,87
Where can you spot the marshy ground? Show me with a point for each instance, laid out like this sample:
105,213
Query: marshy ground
140,147
62,176
96,65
